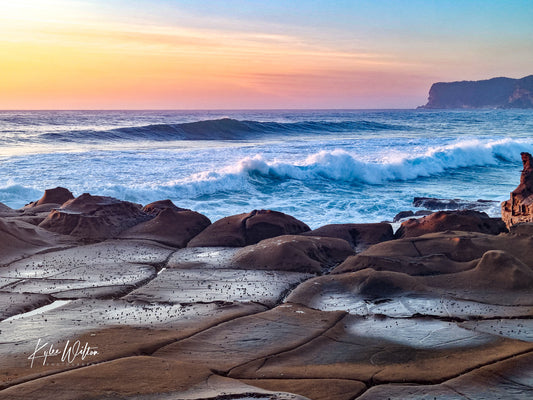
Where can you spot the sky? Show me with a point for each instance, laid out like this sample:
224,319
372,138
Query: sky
253,54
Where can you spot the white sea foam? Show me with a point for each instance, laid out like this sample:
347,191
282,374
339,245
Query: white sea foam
340,165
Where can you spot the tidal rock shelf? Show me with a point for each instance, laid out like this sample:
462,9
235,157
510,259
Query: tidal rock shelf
106,299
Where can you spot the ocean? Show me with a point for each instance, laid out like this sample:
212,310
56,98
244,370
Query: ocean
320,166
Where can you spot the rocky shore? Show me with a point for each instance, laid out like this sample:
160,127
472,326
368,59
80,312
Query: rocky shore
106,299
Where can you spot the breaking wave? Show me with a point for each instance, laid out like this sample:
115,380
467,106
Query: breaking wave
341,166
337,167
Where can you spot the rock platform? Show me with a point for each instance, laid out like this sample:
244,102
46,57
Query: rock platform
104,299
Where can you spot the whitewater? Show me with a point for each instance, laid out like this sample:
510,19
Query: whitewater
321,166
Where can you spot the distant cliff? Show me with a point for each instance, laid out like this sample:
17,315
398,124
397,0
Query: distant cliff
490,93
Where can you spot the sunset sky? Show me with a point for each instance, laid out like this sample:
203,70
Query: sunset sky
235,54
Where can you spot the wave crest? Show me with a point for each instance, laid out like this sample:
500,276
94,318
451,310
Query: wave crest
341,166
219,129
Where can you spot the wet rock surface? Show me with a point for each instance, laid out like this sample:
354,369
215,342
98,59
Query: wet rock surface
259,307
19,303
385,350
226,285
247,339
143,378
100,270
114,328
316,389
508,379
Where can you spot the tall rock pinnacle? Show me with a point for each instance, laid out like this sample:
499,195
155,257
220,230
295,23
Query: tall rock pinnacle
519,208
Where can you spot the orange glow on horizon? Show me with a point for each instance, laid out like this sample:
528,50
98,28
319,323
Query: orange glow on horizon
50,62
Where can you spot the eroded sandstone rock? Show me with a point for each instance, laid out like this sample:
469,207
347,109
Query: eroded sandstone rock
17,303
519,208
94,218
250,228
156,207
6,211
508,379
101,270
172,226
253,337
316,389
208,322
221,285
294,253
463,220
522,229
19,239
360,236
116,328
378,350
58,195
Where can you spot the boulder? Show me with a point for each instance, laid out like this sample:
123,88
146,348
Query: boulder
422,213
94,218
36,211
294,253
464,220
58,195
519,208
172,227
39,211
246,229
360,236
157,206
432,203
402,215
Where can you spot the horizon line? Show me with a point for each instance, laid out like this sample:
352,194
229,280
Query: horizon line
204,109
